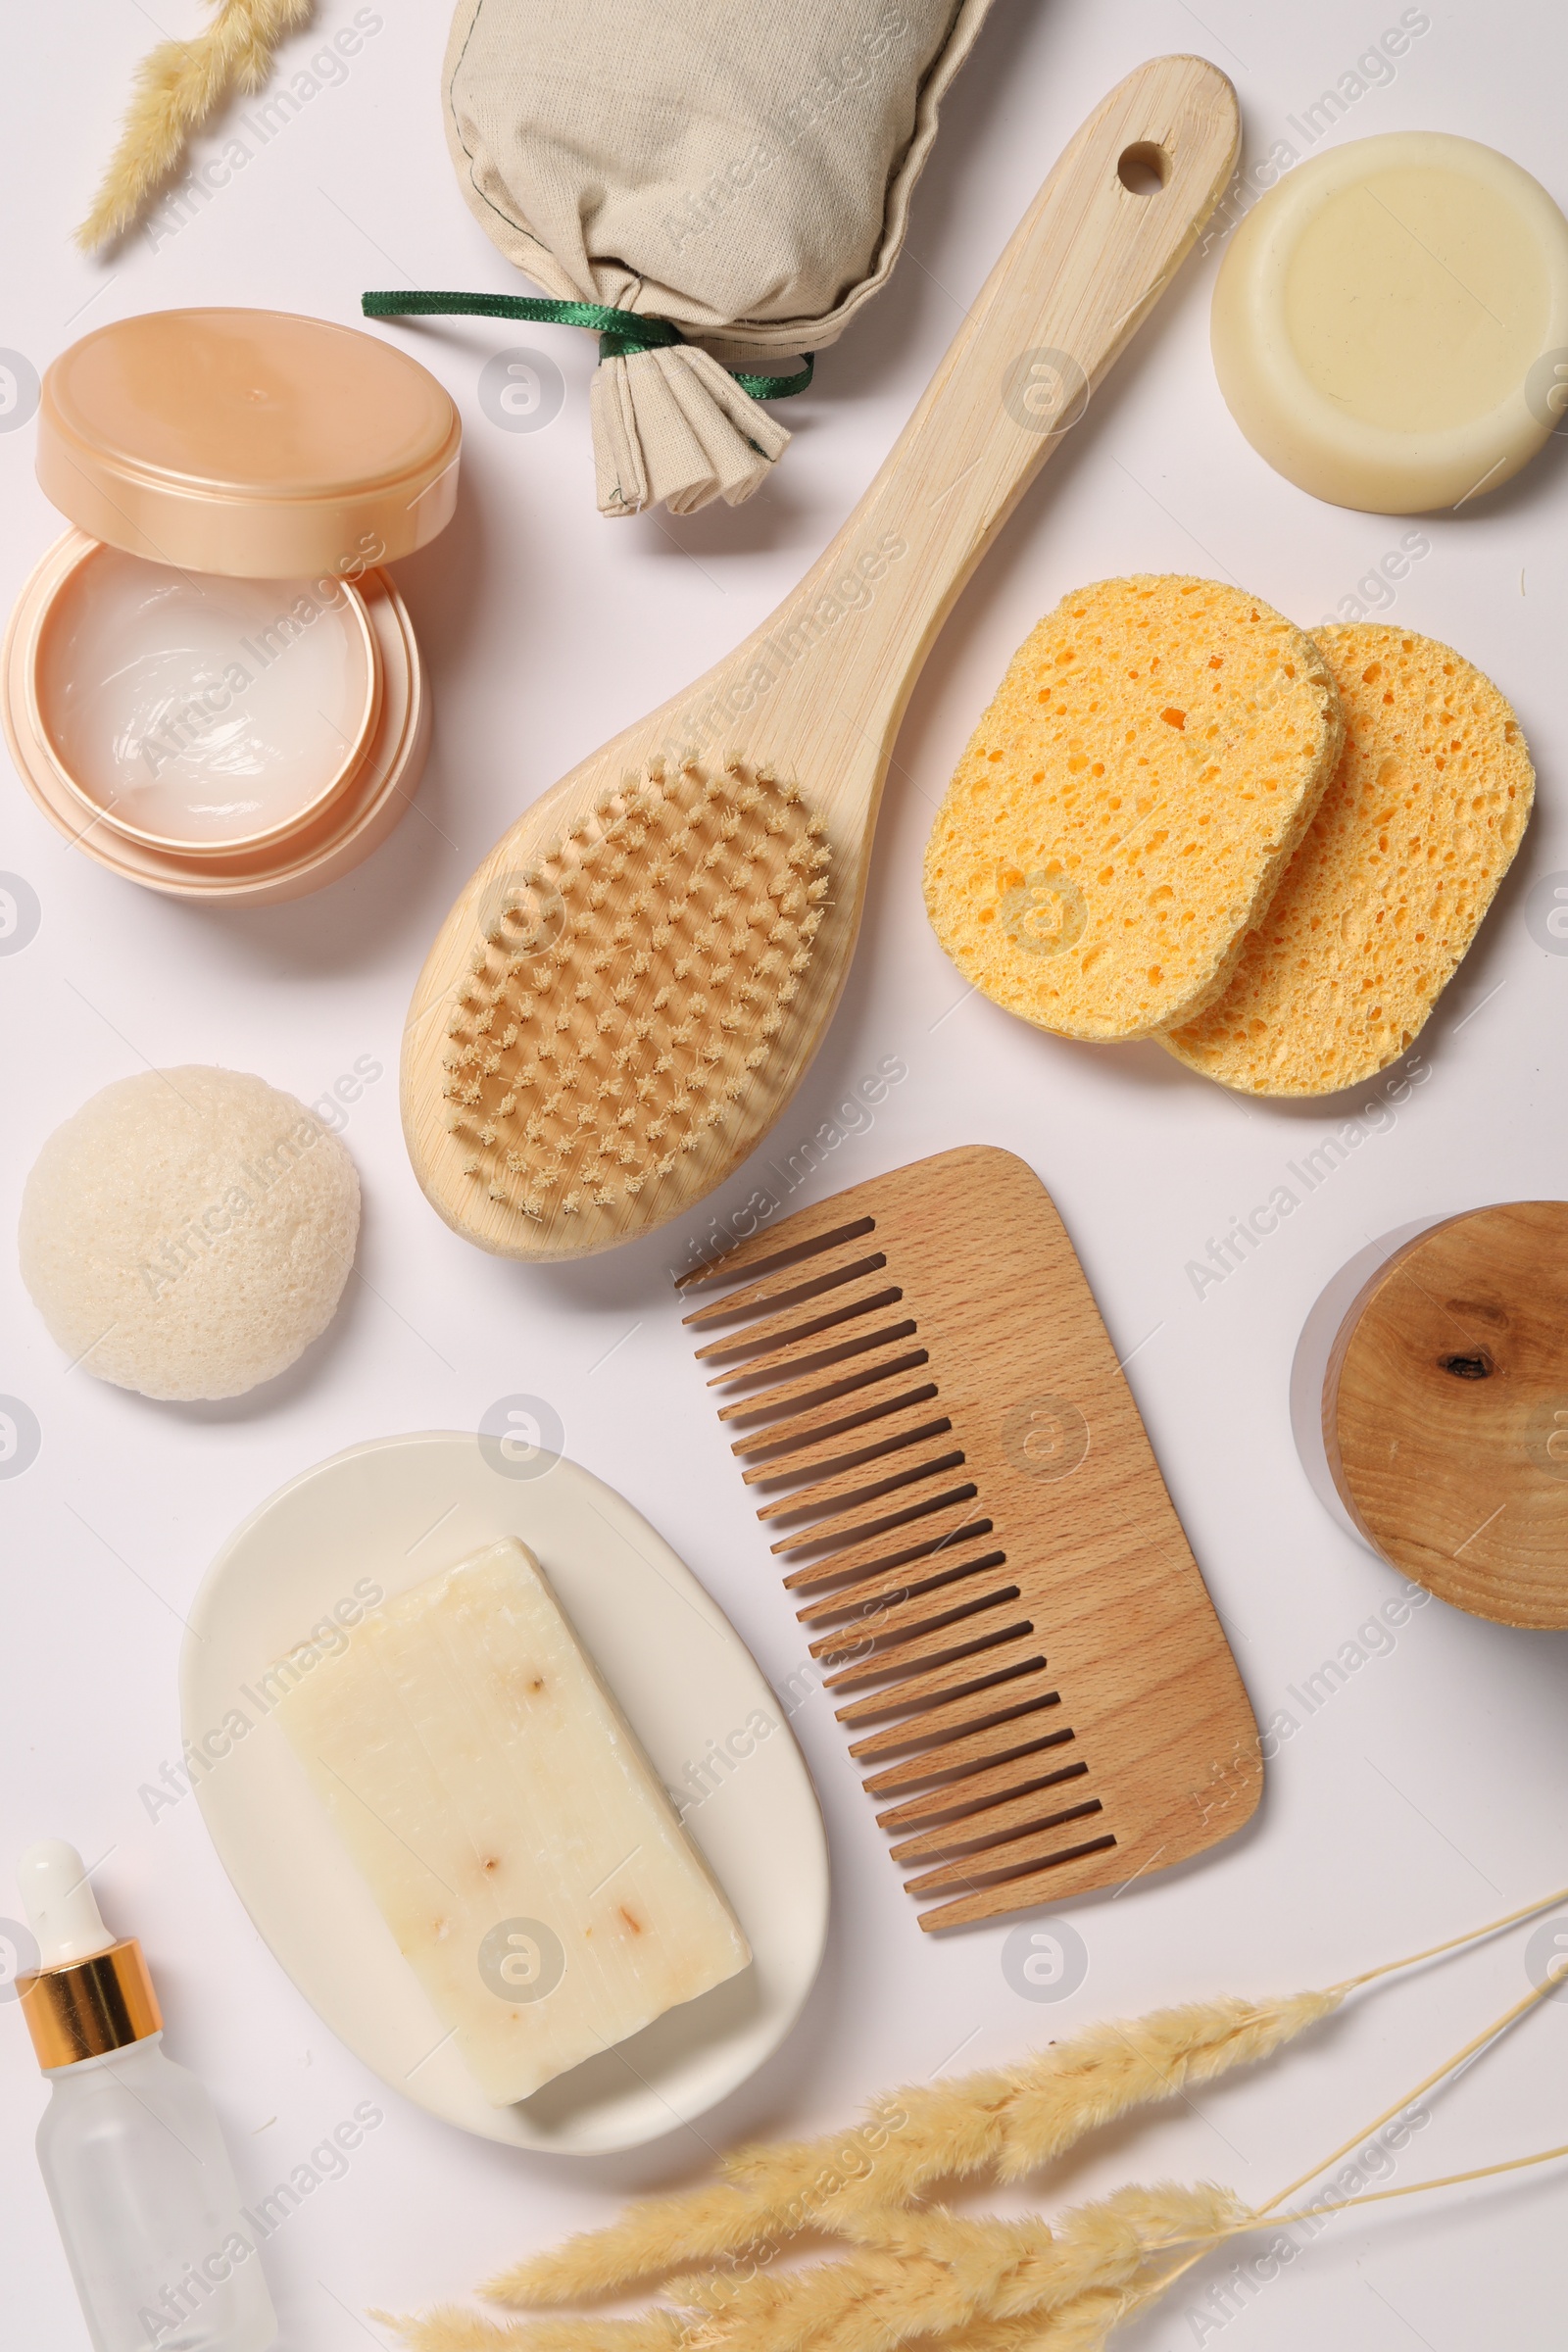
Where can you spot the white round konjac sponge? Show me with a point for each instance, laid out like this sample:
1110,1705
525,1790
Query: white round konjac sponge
188,1233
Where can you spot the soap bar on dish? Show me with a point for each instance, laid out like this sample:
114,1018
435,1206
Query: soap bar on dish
1391,323
508,1825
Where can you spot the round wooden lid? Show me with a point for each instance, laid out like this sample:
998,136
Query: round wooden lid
1445,1412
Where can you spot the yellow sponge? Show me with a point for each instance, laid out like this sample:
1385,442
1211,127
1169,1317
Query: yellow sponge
1387,888
1129,803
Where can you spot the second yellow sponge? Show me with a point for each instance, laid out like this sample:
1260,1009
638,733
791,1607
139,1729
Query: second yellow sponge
1417,830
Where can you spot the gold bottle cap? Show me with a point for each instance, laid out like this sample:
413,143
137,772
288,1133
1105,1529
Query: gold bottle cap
86,2008
253,443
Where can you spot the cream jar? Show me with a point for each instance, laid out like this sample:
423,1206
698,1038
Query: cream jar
210,683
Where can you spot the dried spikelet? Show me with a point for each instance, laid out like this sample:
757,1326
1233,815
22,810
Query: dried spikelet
1005,2121
1085,2322
934,2273
1083,2327
179,84
468,2332
974,2285
657,969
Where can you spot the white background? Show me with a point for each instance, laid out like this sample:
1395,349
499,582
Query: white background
1427,1795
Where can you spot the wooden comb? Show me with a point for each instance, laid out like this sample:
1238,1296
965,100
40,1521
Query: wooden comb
1036,1682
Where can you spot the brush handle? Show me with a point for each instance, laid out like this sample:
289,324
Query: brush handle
1088,262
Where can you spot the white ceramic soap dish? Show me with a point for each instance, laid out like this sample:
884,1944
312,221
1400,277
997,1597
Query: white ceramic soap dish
377,1520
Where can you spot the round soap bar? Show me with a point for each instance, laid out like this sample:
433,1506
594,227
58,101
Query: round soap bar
1391,324
1445,1412
187,1233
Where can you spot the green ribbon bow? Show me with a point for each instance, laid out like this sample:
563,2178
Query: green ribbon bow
621,332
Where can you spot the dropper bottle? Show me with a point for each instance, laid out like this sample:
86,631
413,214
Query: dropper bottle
129,2147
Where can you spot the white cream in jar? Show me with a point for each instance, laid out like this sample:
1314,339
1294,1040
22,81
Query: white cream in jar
194,708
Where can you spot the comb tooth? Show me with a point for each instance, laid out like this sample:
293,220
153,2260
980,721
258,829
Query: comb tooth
1034,1767
1011,1861
988,1744
1003,1819
921,1695
875,1432
872,1519
818,1352
790,1290
760,1255
821,1389
977,1712
923,1593
857,1486
984,1625
1064,1875
780,1331
904,1618
929,1552
836,1418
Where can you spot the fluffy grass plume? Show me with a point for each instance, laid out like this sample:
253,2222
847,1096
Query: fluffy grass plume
982,2285
1004,2122
931,2273
468,2332
179,85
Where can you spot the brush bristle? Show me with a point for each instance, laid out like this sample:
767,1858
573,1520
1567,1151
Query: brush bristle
633,981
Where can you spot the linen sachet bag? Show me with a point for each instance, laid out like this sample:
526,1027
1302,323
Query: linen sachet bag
735,181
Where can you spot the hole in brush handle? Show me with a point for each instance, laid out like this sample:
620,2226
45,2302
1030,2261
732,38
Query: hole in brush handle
1144,168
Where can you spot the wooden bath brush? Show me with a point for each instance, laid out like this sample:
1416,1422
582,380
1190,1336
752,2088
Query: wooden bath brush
631,986
1032,1676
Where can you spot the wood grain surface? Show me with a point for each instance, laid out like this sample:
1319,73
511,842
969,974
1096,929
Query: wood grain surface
1445,1412
817,692
1032,1674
